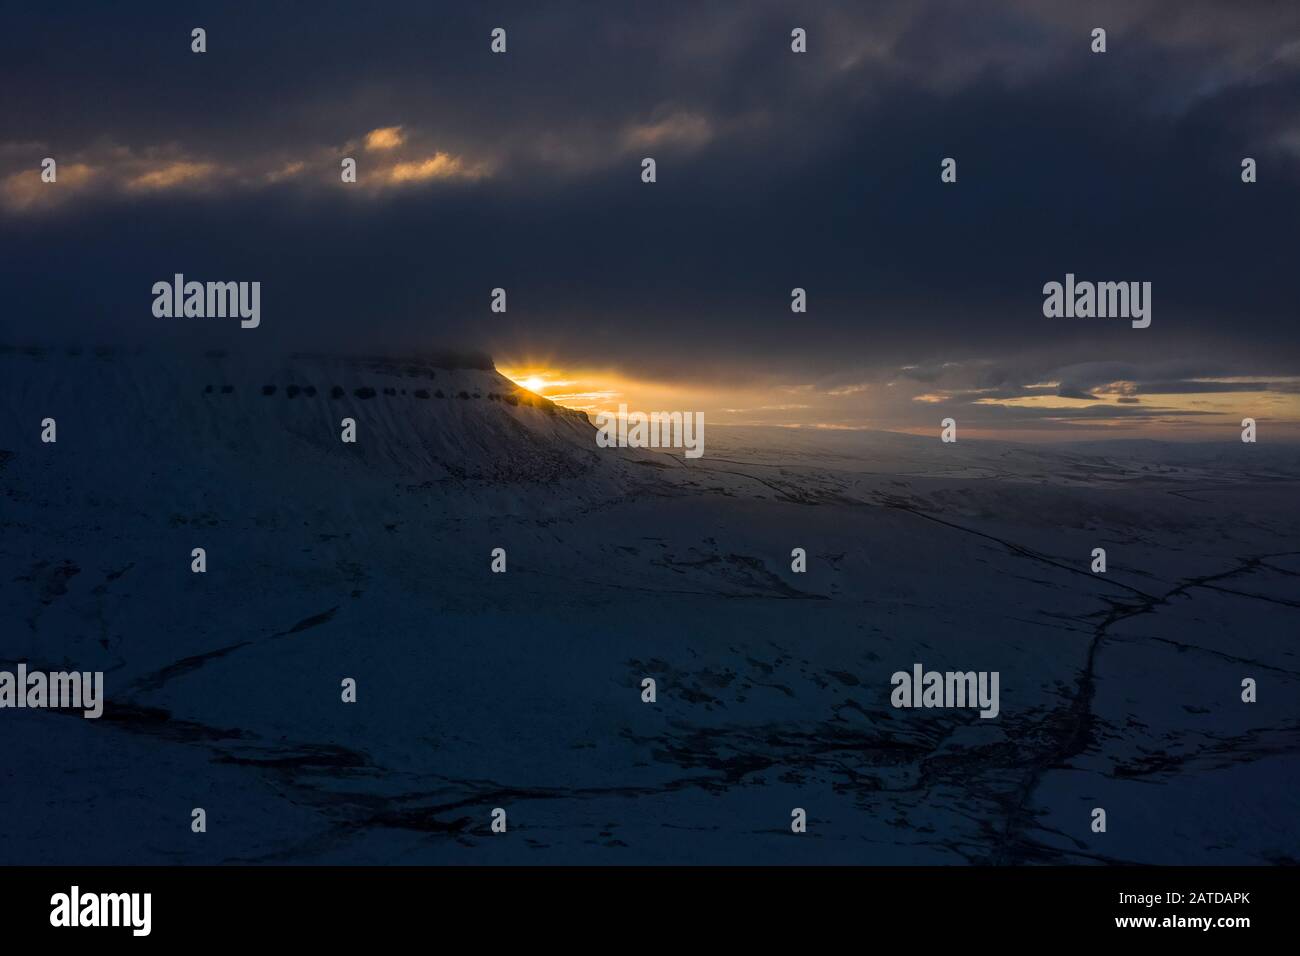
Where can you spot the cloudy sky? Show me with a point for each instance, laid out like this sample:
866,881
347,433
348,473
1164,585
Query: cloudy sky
775,170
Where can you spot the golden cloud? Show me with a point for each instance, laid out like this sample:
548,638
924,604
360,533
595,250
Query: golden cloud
690,130
385,137
287,171
438,166
179,173
26,189
110,169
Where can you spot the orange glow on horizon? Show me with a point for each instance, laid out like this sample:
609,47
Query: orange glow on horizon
590,392
876,406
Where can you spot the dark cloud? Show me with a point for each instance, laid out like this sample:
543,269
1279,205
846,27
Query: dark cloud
1064,392
775,171
1204,387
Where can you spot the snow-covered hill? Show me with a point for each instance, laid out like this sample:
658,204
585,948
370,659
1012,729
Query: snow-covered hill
152,427
442,416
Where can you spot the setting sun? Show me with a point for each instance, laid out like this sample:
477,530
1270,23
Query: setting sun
585,391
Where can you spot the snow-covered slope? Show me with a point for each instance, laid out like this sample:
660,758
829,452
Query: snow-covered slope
156,426
522,690
440,417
